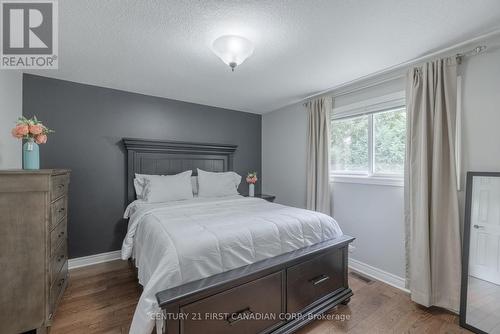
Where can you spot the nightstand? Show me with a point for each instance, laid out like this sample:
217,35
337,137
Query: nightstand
269,198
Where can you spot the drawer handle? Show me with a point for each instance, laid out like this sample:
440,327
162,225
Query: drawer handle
61,257
60,186
236,317
60,234
61,210
61,282
320,279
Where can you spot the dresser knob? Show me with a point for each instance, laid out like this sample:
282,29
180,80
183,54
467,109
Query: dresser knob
61,210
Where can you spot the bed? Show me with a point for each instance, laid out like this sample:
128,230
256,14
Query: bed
231,264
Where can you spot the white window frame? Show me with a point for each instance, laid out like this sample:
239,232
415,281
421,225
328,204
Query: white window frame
369,107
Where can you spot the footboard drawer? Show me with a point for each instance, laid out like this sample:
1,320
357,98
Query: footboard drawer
313,279
249,308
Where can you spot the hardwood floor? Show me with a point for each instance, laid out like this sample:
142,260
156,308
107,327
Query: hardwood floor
102,298
99,299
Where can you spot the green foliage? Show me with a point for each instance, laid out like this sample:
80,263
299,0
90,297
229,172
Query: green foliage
349,143
349,150
390,139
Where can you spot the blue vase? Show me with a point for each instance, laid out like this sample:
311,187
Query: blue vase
31,155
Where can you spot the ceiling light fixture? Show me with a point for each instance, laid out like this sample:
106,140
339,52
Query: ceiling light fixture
233,50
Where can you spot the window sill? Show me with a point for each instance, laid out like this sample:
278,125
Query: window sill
375,180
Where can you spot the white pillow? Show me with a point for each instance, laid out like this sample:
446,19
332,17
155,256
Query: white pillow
166,188
140,184
217,184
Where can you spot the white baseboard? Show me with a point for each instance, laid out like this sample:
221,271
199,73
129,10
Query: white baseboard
355,265
378,274
93,259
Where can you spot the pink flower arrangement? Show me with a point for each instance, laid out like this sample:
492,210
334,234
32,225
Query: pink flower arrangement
252,178
31,129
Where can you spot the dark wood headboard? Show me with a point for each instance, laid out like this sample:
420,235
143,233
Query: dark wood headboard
161,157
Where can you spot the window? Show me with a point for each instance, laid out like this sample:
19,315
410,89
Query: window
389,141
349,149
371,145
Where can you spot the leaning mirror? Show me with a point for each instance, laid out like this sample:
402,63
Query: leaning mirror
480,299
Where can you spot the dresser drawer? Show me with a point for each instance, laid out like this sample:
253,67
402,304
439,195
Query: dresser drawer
58,211
58,186
237,309
57,236
57,288
58,260
311,280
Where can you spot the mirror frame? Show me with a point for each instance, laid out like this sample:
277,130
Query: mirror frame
465,249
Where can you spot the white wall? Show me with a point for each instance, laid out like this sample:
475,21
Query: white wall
481,116
371,213
374,213
10,109
481,113
283,155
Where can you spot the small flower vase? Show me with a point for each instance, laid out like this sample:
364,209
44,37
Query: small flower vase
31,155
251,190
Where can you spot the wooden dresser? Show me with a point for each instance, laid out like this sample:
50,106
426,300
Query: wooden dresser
33,247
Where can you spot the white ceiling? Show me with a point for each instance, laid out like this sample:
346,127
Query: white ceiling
162,48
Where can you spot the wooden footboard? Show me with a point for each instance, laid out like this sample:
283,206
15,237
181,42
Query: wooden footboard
276,295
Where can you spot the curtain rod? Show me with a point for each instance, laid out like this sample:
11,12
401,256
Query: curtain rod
401,66
477,50
459,57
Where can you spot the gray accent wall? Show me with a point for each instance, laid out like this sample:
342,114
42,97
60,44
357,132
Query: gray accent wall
90,122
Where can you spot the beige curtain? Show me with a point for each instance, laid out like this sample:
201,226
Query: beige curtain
318,159
431,199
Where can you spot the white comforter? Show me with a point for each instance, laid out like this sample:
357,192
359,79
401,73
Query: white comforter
177,242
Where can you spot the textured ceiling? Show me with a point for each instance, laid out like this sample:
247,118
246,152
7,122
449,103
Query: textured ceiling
162,48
